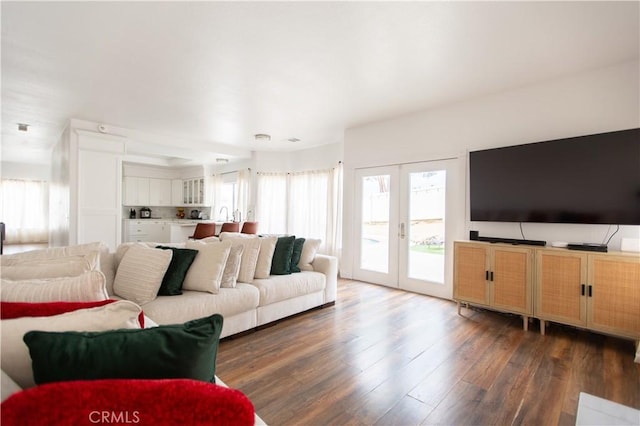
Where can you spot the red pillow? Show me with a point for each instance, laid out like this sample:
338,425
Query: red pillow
123,401
9,310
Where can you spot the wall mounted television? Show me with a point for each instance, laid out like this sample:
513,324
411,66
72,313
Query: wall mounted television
592,179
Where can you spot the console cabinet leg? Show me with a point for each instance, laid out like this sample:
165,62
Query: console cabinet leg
459,306
543,324
525,323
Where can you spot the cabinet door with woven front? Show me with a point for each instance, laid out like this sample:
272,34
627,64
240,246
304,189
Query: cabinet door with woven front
511,280
561,279
614,295
471,265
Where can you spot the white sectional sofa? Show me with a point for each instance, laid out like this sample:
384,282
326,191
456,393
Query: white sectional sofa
244,308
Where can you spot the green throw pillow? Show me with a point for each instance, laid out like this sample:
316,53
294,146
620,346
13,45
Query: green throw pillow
281,260
174,277
185,351
297,252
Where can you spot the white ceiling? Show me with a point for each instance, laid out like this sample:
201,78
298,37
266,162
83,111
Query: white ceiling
212,74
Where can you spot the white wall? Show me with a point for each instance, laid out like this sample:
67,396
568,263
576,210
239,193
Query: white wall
592,102
322,157
26,171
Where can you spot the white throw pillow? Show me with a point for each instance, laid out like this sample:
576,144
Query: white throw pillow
265,257
15,358
140,273
250,252
88,287
230,235
205,273
309,250
69,266
53,252
8,386
232,268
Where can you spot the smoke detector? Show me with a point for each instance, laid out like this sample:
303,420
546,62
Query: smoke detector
262,137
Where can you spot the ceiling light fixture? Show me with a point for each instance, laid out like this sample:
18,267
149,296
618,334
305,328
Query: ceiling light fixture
262,137
222,160
293,140
23,127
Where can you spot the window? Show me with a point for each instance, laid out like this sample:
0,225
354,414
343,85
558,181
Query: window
25,211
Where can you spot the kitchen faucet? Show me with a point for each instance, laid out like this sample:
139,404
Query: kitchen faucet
227,212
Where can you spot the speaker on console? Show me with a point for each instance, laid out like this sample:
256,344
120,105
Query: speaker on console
473,235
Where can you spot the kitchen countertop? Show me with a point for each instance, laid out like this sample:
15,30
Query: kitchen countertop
176,221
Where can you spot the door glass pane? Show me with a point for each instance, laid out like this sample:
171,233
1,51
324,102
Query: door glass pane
426,226
375,223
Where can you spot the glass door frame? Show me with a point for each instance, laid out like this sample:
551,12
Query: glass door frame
397,268
390,277
453,222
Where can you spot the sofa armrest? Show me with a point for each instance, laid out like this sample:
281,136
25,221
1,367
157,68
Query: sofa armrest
328,265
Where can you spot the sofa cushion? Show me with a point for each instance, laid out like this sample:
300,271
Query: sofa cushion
195,304
176,272
232,268
205,273
10,310
309,250
15,359
186,351
87,287
7,387
281,260
106,258
298,244
265,257
129,401
140,273
282,287
53,252
69,266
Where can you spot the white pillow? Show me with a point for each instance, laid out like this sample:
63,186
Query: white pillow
8,386
205,273
250,252
53,252
140,273
230,235
69,266
232,268
14,355
88,287
309,250
267,248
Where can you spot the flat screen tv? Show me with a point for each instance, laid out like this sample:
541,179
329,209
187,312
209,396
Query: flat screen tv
592,179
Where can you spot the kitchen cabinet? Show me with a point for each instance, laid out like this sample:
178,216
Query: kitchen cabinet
159,192
600,292
193,192
147,230
497,277
176,192
136,191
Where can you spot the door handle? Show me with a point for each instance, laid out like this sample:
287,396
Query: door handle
582,286
402,230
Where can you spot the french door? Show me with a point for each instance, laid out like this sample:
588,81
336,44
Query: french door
407,217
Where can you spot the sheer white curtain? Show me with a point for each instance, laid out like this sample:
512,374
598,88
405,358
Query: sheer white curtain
216,194
271,203
25,211
308,207
243,188
306,204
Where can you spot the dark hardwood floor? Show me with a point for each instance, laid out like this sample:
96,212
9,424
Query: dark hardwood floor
382,356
